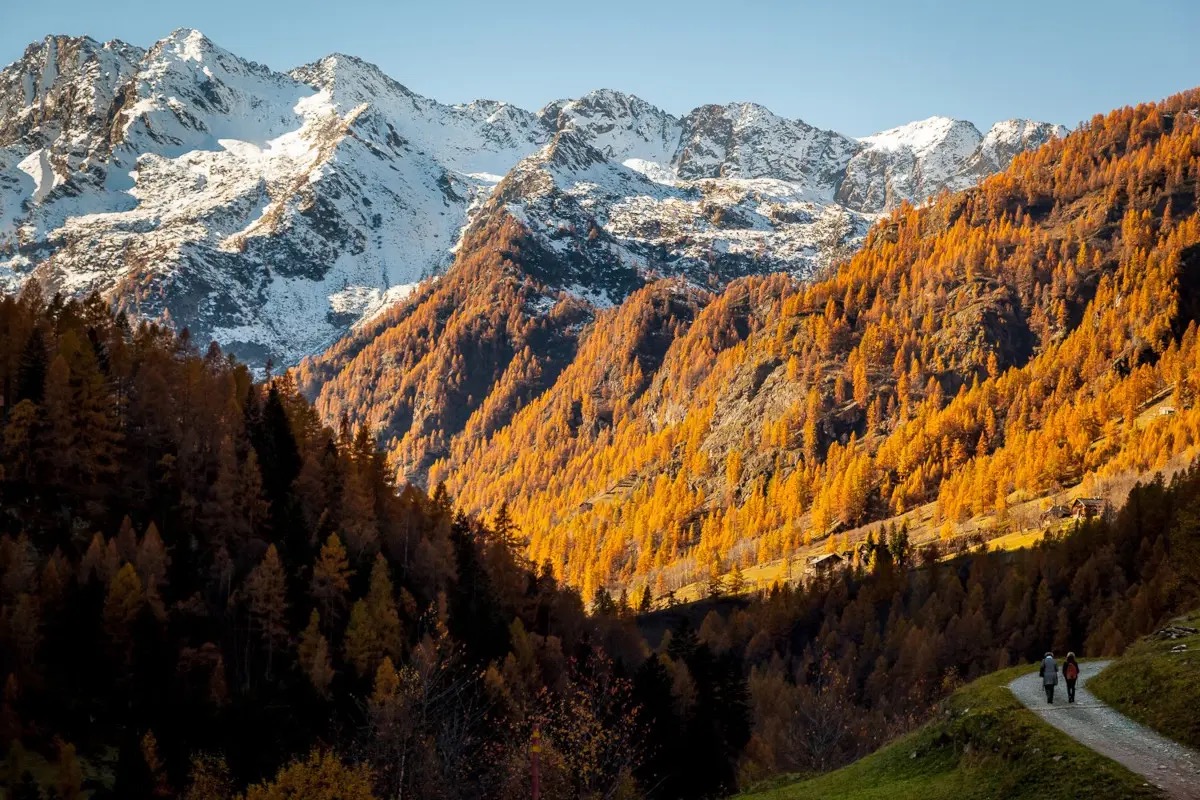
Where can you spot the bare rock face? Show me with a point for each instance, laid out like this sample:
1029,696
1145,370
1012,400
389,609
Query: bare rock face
272,211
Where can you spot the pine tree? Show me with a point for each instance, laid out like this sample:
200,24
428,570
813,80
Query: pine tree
381,604
32,368
715,586
122,605
331,577
314,656
60,452
266,589
218,688
20,442
69,782
602,603
24,634
646,603
362,643
127,541
222,516
505,531
360,525
155,767
98,437
737,580
255,507
374,630
152,563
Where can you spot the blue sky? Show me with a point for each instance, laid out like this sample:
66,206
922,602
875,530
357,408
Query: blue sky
857,66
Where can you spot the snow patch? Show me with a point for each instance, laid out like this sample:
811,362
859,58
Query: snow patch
38,167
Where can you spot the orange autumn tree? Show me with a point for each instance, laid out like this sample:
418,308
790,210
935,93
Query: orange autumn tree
1006,339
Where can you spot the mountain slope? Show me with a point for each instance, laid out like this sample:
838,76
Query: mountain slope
999,344
272,211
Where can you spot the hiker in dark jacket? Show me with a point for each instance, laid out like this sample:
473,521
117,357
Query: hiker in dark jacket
1070,675
1049,673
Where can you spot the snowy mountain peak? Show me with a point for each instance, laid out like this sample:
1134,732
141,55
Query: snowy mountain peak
622,126
189,52
271,211
915,161
61,86
188,44
350,80
746,140
1011,136
923,136
747,114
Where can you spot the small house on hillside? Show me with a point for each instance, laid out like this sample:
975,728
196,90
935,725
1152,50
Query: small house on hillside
824,563
1088,507
1055,513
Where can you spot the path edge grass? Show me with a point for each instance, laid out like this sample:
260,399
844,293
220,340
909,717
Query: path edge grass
1158,688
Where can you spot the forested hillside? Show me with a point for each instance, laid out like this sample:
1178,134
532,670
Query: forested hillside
995,345
205,593
199,583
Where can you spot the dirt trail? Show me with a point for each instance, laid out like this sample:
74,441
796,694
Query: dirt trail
1166,764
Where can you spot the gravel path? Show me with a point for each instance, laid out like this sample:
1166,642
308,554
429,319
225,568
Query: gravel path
1166,764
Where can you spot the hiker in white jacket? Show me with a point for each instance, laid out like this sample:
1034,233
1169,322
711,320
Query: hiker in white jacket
1049,673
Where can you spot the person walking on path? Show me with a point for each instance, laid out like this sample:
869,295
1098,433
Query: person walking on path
1070,675
1164,763
1049,673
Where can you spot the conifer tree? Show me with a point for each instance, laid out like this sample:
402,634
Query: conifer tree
315,657
69,780
360,525
124,602
715,585
331,577
602,603
381,604
24,634
505,531
737,580
152,563
32,368
221,514
266,590
363,644
646,602
20,442
60,453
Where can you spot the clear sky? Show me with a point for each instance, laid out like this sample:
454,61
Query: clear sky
856,66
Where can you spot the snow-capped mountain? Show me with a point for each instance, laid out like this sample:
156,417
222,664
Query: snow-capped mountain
271,211
920,159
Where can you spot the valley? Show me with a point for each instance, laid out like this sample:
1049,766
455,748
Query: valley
358,445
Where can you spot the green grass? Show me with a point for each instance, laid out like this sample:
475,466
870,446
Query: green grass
1156,687
984,744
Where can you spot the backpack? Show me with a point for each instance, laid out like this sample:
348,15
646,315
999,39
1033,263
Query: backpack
1071,671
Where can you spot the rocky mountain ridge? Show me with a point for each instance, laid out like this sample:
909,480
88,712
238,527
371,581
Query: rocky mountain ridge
271,211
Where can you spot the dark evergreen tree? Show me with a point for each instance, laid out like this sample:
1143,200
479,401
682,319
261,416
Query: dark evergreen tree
32,368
